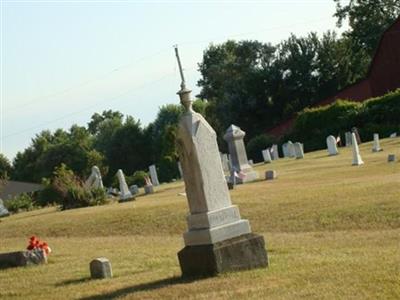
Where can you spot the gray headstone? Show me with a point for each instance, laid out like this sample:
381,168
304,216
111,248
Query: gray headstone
225,162
285,150
393,135
125,193
275,152
234,137
100,268
148,189
153,175
251,162
266,156
94,180
298,150
270,175
291,151
22,258
134,189
391,158
376,147
348,138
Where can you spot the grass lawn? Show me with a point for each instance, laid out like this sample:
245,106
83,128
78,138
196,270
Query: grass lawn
332,232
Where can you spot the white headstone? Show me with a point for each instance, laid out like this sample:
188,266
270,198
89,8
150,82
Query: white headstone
393,135
234,137
285,150
125,193
331,144
3,210
153,175
377,146
94,180
356,152
275,152
291,151
298,150
225,162
348,138
266,156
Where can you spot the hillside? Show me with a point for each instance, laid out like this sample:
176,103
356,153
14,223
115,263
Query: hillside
332,231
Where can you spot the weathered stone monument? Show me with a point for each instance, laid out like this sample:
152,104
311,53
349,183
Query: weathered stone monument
100,268
134,189
270,175
331,144
298,150
357,134
22,258
225,162
266,156
391,158
285,150
148,187
218,240
234,137
376,147
125,193
153,175
356,152
291,151
94,180
3,210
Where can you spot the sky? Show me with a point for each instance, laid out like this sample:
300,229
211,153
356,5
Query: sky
62,61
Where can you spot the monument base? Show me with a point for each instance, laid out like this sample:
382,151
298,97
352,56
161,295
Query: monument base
249,177
240,253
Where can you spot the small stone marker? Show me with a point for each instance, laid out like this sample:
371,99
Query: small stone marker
331,144
270,175
22,258
100,268
3,210
291,152
266,156
153,175
393,135
377,146
148,189
285,150
234,137
94,180
251,162
275,152
391,158
356,152
134,189
298,150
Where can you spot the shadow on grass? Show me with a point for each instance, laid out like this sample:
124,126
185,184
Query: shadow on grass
154,285
72,281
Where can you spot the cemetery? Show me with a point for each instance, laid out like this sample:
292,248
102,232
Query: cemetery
277,177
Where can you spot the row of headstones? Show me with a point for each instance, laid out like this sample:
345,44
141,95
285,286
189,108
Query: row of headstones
125,193
289,149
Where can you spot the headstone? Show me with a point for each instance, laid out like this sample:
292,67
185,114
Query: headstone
100,268
134,189
348,138
377,146
391,158
356,152
275,152
218,239
266,156
234,136
393,135
148,189
125,193
22,258
270,175
285,150
298,150
3,210
225,162
153,175
94,180
331,144
355,131
180,169
251,162
291,151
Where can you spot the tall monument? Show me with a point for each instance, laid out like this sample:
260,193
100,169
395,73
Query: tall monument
217,240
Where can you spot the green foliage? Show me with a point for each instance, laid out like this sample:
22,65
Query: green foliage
22,202
137,178
378,115
5,167
257,144
66,189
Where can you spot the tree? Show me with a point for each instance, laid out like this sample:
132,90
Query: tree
5,167
367,19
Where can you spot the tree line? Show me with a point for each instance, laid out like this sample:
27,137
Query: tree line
251,84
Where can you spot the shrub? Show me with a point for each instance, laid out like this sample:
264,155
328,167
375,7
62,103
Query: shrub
22,202
67,190
257,144
137,178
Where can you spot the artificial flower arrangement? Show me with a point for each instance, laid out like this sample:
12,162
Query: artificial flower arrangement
37,251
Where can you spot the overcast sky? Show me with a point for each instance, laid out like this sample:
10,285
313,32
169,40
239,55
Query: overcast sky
62,61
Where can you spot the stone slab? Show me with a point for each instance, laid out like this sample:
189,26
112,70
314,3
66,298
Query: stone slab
100,268
216,234
21,259
270,175
148,189
240,253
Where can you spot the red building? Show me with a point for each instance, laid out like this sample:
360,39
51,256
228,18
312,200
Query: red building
383,76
